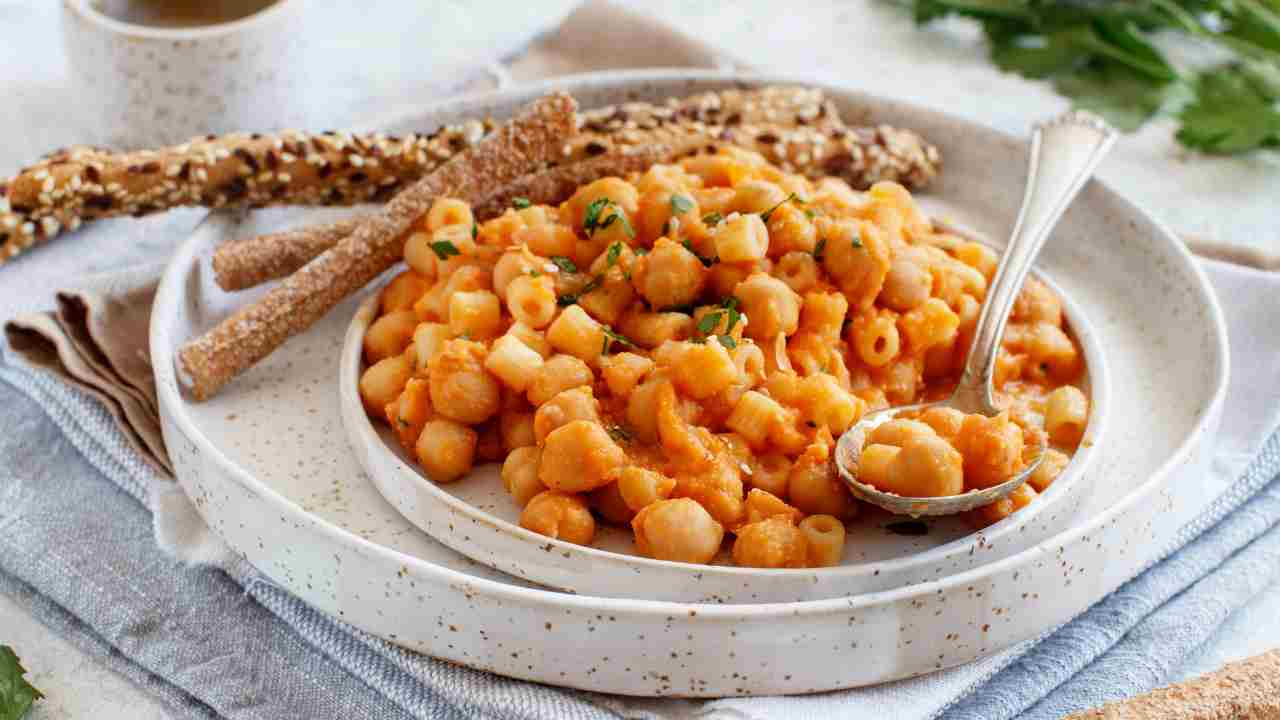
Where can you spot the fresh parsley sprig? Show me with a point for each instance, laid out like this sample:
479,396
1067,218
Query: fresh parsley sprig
594,218
445,249
709,322
16,694
1103,56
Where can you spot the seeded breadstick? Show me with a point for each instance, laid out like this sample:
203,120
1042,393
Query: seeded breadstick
529,141
82,184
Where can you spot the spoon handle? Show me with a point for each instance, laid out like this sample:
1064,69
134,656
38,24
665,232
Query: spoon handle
1065,150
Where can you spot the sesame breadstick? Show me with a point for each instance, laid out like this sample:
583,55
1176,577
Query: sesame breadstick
1247,689
246,263
82,184
526,143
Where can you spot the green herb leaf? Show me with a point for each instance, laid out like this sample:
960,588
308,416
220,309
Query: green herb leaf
611,337
727,341
591,217
767,213
16,694
475,230
680,204
709,322
444,249
620,433
730,304
819,249
520,203
857,241
712,218
592,220
706,261
611,257
1235,111
563,263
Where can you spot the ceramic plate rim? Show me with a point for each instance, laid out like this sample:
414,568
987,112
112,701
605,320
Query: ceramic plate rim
174,279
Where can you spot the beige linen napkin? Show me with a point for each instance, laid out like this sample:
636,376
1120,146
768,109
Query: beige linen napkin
96,339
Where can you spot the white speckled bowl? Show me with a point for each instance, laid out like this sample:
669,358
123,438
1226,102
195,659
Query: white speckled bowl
267,467
476,517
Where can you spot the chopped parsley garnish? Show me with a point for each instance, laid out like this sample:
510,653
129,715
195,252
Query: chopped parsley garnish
819,249
16,694
768,213
680,204
706,261
445,249
564,263
712,218
857,242
611,337
520,203
475,230
611,257
620,433
572,298
592,221
810,213
709,322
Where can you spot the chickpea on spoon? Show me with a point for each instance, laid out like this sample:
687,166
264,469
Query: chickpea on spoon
1065,150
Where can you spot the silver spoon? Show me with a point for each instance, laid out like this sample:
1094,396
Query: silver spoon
1065,150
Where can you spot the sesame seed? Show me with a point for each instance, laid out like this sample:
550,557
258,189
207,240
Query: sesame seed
4,205
222,153
76,182
202,175
28,228
50,226
75,223
315,159
288,157
49,184
114,187
40,174
357,161
10,222
45,198
265,176
284,177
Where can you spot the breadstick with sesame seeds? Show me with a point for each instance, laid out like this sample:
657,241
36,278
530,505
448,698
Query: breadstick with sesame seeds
82,184
526,143
246,263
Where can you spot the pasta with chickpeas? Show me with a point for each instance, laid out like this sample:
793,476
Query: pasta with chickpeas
676,352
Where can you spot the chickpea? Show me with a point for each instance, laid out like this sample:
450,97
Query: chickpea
547,240
568,405
516,427
770,473
461,388
812,486
771,307
558,373
756,196
898,431
945,421
762,505
389,335
520,474
927,467
718,489
446,449
623,371
579,457
679,530
798,270
382,383
608,503
906,285
559,515
772,543
402,292
641,488
992,450
1049,469
669,275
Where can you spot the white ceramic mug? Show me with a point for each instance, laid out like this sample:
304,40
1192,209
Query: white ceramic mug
153,85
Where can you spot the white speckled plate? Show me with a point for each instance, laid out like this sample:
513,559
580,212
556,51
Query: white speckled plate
476,517
268,467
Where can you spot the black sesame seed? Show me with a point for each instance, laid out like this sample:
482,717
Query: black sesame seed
21,209
4,238
255,136
184,173
733,119
211,137
92,173
457,143
273,160
358,177
151,167
319,146
133,169
594,148
325,170
249,160
767,137
236,189
279,191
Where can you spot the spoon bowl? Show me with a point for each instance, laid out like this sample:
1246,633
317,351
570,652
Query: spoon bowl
1065,150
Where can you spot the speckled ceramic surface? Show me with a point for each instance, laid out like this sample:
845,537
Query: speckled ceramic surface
267,465
159,86
476,517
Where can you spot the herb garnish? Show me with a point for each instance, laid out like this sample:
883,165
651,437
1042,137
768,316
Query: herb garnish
16,694
591,221
706,261
680,204
712,218
444,249
767,213
520,203
611,337
563,263
819,249
475,230
1103,56
620,433
711,321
